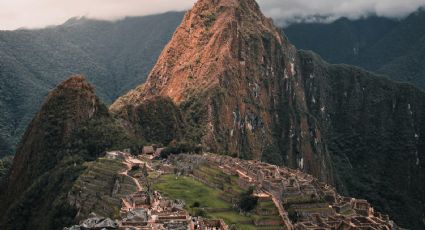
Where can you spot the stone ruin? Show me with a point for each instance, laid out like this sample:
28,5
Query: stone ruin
304,202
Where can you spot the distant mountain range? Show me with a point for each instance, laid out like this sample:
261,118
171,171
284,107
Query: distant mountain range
115,56
392,47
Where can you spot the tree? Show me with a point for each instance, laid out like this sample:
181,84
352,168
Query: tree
248,201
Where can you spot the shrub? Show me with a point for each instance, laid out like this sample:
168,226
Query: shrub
247,201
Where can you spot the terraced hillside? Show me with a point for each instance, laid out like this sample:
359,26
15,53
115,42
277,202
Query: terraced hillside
101,188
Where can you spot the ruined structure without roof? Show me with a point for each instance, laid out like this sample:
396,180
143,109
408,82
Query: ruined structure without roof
303,201
296,199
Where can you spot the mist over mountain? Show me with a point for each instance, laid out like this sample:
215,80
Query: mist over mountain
116,56
392,47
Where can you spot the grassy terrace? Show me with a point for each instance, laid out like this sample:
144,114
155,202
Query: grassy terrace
191,191
219,192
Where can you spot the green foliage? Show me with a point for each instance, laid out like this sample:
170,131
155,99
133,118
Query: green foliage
209,19
99,135
180,147
115,57
194,114
271,154
158,121
293,215
201,212
196,204
94,137
44,205
387,46
5,165
65,134
375,151
248,201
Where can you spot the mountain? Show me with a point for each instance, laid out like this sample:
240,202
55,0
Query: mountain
115,56
71,128
231,81
228,82
233,99
392,47
61,176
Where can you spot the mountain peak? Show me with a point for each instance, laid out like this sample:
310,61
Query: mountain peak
75,82
66,107
229,71
210,42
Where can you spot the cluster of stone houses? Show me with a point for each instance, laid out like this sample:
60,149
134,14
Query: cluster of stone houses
301,201
147,209
304,202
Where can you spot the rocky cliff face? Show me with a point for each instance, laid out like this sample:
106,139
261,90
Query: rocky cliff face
72,127
241,88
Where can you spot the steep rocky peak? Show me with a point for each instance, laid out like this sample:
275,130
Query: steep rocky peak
217,7
213,39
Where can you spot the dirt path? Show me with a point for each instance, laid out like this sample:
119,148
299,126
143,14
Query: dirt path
127,205
282,212
129,162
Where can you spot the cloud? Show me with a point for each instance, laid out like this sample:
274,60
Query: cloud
39,13
287,11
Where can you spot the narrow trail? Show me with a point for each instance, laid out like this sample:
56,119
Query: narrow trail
129,161
128,206
282,212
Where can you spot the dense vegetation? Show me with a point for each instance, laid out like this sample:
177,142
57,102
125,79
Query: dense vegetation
248,201
392,47
375,136
72,127
158,121
5,164
115,56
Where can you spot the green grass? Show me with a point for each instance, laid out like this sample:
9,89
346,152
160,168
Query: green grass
257,217
347,212
191,190
234,218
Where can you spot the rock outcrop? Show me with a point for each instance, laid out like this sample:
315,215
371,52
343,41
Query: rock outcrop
241,88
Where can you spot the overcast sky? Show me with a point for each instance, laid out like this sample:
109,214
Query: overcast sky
39,13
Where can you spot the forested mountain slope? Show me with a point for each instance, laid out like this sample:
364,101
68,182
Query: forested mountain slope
392,47
116,56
